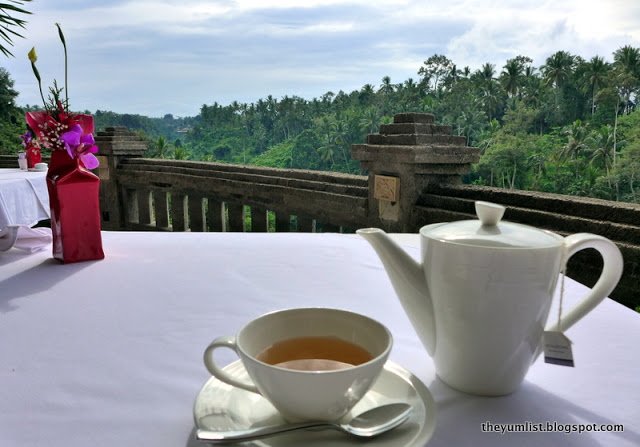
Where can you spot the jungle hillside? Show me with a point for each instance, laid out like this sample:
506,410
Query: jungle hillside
568,126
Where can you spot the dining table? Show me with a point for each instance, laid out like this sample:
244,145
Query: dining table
110,352
24,201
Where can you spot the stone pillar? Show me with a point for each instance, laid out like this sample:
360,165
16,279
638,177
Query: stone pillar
114,144
403,159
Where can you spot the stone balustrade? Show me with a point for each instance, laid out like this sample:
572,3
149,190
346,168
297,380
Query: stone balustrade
414,176
180,195
11,161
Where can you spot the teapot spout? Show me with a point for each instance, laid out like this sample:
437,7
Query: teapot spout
409,282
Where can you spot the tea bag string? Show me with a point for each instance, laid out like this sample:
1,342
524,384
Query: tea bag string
563,272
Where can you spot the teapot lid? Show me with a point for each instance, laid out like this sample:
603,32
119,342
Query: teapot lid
489,231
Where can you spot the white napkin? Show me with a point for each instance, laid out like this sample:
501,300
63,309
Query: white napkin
25,238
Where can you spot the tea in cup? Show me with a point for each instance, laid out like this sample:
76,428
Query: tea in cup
310,363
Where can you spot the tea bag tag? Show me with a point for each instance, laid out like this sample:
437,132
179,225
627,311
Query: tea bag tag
557,346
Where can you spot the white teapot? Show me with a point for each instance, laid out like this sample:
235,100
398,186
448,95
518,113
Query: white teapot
480,298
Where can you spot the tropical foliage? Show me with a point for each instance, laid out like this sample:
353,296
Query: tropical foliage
11,117
9,21
568,126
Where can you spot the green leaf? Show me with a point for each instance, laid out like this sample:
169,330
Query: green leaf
8,20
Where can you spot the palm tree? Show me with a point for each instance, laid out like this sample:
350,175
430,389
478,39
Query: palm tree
558,69
487,136
619,88
345,132
8,22
366,95
370,120
386,88
451,77
511,76
626,62
327,130
602,147
327,98
532,90
181,153
327,153
490,99
529,71
576,133
161,147
386,91
409,84
629,58
595,74
470,123
538,163
487,73
410,94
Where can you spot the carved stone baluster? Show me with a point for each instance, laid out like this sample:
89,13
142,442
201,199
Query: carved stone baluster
258,219
131,207
144,206
178,214
161,208
214,215
305,224
196,213
236,216
283,222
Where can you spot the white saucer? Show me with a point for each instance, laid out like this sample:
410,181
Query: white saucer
221,407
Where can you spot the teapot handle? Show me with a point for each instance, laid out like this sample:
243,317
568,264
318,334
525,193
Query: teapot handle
611,273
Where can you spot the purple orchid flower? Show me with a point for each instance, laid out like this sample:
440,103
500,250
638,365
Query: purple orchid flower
81,145
26,138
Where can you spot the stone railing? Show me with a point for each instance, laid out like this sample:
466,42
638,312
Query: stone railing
414,177
170,195
11,161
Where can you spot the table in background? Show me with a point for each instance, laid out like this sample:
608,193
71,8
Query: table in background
24,201
109,353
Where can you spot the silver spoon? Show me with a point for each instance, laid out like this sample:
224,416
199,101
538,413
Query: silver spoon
371,423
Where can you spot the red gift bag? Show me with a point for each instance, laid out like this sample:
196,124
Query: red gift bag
33,155
75,209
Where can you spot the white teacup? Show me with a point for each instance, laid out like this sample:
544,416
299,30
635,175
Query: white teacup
40,166
318,393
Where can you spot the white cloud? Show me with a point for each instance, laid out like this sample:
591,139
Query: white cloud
135,15
310,4
147,56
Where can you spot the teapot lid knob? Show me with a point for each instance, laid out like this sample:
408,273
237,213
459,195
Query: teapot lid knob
489,213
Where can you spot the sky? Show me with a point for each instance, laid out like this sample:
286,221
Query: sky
153,57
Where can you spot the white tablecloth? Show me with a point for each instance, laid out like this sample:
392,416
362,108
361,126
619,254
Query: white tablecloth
24,199
109,353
